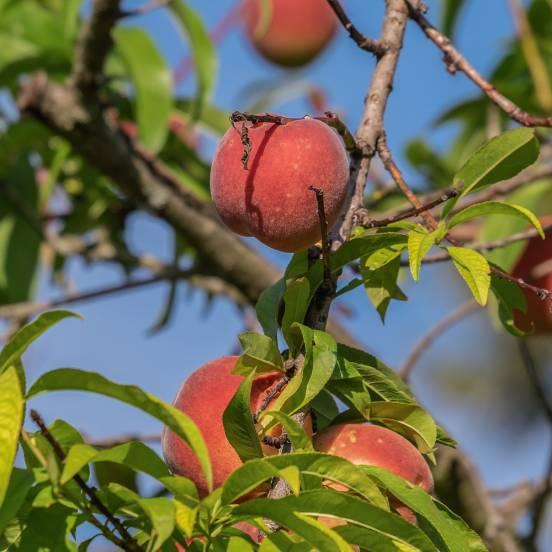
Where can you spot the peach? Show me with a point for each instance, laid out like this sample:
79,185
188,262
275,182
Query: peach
271,199
378,446
535,267
204,397
293,32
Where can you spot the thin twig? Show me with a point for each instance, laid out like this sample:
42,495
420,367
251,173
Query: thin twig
329,118
375,47
364,219
431,221
455,61
323,235
434,333
395,172
128,543
488,246
24,310
105,531
541,500
110,442
146,8
290,368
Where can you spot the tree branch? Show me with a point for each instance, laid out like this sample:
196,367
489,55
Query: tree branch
376,47
94,46
127,543
541,499
455,61
371,122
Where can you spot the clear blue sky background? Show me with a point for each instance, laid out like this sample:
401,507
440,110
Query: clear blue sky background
470,379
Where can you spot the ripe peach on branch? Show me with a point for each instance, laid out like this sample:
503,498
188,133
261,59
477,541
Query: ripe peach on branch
262,178
371,445
290,33
535,267
204,396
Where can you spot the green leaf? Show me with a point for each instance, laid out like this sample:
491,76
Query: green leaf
318,535
500,158
410,420
298,265
325,409
152,82
202,50
185,518
134,455
364,361
308,381
76,380
19,486
376,250
387,528
381,285
419,243
322,466
496,208
535,197
475,270
18,193
260,355
65,434
296,301
295,431
12,406
238,422
161,513
18,344
379,382
49,530
446,529
268,306
510,298
353,393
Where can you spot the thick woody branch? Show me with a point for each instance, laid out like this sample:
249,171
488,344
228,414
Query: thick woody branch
372,120
94,46
455,61
150,185
146,182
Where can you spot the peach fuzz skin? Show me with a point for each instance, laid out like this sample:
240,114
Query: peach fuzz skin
372,445
295,32
272,199
537,255
204,396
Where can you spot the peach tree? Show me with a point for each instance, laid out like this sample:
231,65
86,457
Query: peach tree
308,442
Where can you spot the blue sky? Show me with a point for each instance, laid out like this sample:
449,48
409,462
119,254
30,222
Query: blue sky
112,338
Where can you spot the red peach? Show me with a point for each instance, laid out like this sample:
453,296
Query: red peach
204,397
535,267
373,445
271,199
293,33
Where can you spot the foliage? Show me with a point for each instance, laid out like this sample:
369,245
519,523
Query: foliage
66,486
